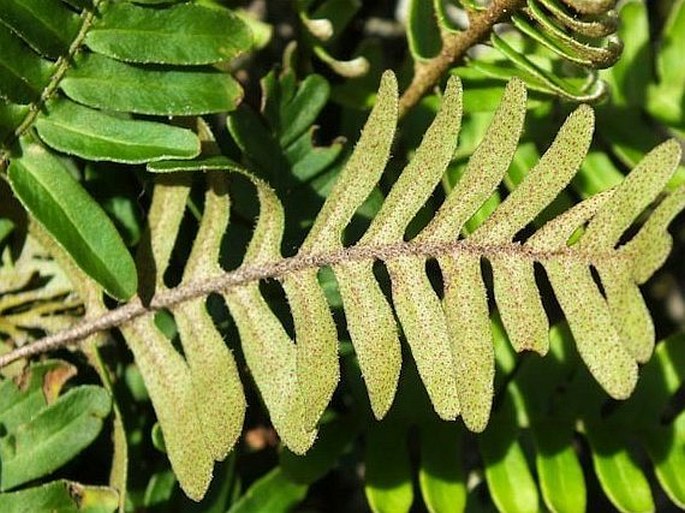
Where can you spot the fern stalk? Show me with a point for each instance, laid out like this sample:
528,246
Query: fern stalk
280,270
454,47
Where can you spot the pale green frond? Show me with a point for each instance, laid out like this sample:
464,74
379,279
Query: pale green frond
373,331
485,169
425,328
422,174
543,183
636,192
169,383
650,247
271,357
168,377
165,215
433,344
265,245
369,316
519,303
218,390
555,233
418,314
198,396
318,370
593,328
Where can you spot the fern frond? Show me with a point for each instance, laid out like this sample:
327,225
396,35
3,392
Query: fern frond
198,398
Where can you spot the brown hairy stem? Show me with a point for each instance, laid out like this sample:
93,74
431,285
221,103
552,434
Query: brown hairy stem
279,270
454,47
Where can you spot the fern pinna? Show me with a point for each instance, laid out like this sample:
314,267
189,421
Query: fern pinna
198,397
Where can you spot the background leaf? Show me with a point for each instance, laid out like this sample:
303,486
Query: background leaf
181,34
71,216
54,436
273,492
101,82
94,135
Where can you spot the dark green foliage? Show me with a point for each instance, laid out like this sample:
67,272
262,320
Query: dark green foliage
53,54
44,429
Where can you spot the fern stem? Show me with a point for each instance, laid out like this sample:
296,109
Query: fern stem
62,65
280,269
454,47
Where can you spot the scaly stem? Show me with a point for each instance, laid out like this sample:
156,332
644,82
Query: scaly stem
279,269
454,47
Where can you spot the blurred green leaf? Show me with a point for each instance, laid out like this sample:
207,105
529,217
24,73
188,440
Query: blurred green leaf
423,32
627,86
334,437
119,198
104,83
274,493
388,482
48,26
441,470
338,12
298,113
24,74
558,468
621,478
666,448
157,437
34,389
508,475
61,497
6,228
667,98
10,116
54,436
159,488
360,92
255,141
261,31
